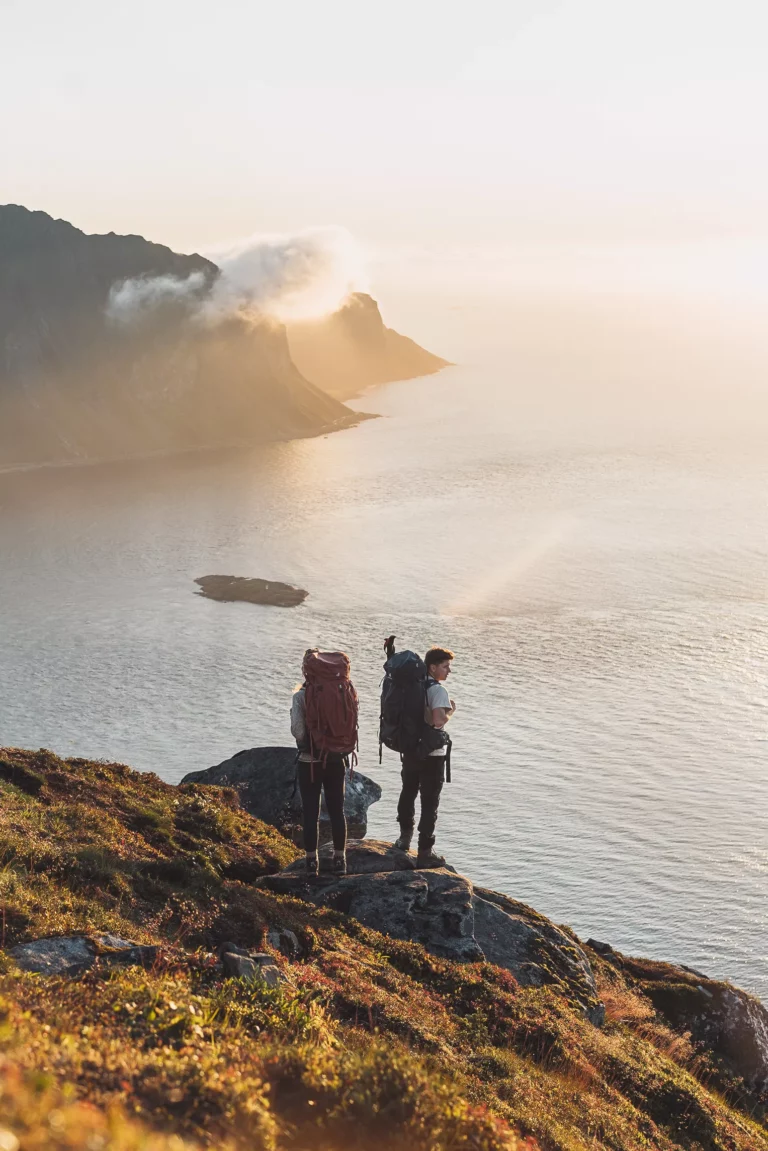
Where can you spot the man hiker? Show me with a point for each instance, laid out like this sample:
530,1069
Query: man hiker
324,725
424,773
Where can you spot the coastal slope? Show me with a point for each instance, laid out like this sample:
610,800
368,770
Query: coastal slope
210,1003
353,350
80,383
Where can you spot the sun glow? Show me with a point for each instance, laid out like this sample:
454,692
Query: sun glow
523,558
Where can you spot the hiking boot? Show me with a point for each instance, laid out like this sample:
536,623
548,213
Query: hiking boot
403,841
310,863
427,858
339,864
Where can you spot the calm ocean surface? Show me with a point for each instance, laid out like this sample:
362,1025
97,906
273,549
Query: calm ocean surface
597,564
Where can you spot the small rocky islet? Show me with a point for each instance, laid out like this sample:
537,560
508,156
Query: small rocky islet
182,983
243,589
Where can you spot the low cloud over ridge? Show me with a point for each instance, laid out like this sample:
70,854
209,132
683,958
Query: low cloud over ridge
302,276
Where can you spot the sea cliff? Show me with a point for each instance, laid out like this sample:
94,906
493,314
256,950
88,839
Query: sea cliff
210,995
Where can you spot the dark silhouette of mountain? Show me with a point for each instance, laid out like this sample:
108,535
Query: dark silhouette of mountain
352,350
76,385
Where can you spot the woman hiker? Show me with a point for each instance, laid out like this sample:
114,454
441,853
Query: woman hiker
324,725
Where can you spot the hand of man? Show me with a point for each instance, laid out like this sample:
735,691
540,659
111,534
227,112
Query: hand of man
453,707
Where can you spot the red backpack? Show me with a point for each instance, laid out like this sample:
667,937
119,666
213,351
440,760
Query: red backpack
331,704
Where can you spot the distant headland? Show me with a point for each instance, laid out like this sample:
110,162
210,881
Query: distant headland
110,351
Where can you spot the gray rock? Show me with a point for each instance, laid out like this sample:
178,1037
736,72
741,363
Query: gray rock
430,907
743,1033
285,941
383,891
253,965
729,1022
537,952
443,911
70,955
271,974
239,966
264,778
64,956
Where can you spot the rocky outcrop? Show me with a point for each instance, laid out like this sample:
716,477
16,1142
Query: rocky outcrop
384,891
537,952
722,1019
446,913
240,963
353,350
265,779
232,589
77,385
73,954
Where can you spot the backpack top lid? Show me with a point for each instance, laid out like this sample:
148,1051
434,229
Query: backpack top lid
321,665
405,665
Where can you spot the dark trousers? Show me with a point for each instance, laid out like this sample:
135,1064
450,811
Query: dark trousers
423,777
315,778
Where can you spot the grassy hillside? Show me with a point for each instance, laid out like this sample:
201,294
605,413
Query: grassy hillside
371,1043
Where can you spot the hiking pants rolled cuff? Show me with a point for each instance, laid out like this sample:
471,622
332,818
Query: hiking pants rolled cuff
314,780
424,778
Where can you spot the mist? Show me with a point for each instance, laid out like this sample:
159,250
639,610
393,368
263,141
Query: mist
287,277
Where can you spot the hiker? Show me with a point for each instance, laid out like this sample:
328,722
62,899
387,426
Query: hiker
324,725
415,709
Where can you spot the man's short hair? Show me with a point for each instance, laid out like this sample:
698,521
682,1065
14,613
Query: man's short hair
437,655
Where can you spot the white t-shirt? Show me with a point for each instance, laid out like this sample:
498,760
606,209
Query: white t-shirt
437,696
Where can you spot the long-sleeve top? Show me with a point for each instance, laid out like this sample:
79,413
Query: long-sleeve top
299,724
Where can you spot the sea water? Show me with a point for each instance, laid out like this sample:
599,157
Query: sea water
582,521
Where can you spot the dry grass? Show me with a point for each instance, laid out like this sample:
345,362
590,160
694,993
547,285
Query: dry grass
371,1044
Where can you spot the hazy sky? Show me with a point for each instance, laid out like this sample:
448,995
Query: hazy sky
411,122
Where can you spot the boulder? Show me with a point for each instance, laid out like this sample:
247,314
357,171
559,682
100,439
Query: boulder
265,779
725,1020
284,940
430,907
70,955
442,910
65,956
241,964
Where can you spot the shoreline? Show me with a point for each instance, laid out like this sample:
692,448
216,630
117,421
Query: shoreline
176,453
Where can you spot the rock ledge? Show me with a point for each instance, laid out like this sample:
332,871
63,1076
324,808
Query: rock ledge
446,913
